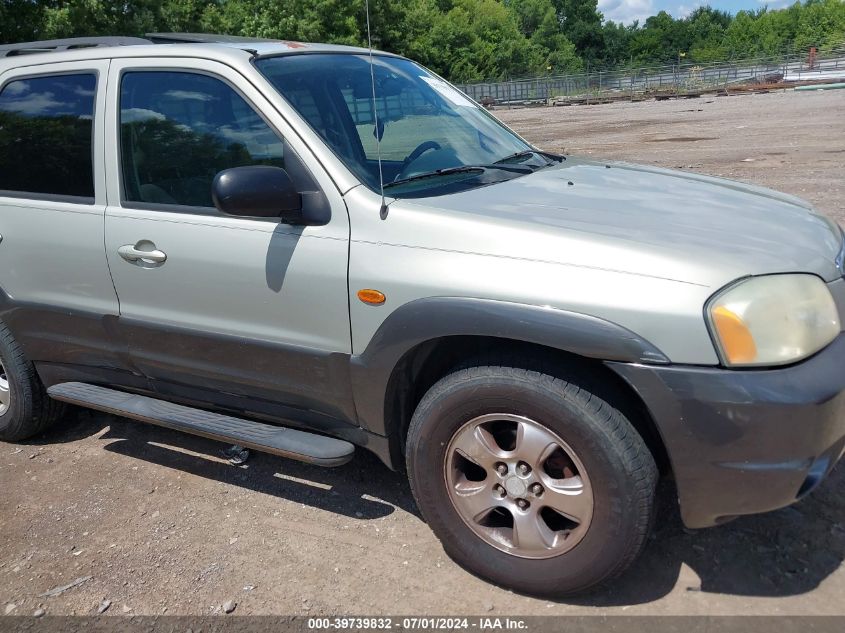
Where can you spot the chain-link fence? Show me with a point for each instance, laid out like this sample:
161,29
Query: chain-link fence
654,81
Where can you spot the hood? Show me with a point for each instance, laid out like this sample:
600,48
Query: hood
636,219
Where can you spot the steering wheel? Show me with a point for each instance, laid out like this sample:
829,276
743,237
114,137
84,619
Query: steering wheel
421,149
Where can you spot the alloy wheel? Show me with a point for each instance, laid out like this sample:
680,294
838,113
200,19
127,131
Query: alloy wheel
518,486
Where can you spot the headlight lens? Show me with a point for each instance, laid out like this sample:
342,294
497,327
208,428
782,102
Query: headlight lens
772,320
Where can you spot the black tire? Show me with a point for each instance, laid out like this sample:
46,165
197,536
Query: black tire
621,469
30,410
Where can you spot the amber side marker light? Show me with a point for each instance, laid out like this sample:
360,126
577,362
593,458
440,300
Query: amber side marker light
372,297
737,342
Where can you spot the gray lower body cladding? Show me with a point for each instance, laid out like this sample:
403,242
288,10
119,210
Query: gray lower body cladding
279,384
744,442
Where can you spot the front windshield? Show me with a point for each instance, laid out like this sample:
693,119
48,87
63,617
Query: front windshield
424,124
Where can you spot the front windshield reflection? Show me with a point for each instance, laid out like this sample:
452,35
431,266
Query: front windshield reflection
423,124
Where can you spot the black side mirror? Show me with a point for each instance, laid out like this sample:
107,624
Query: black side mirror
257,191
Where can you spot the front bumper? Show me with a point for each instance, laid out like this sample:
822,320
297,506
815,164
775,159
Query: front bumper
743,442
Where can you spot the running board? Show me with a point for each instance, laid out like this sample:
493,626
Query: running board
286,442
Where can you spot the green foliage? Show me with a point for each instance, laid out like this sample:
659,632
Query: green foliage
473,40
464,40
581,23
821,23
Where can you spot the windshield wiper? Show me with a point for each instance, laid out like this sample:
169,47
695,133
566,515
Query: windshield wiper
461,169
532,152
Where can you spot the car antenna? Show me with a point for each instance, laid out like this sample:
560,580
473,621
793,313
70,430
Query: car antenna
377,132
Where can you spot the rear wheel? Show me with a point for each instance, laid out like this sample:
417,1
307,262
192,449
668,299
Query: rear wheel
530,481
25,407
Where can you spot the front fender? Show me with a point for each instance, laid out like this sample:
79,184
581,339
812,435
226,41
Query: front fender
428,319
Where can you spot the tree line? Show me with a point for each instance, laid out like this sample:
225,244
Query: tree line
464,40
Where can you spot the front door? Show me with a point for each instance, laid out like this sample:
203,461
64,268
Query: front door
247,314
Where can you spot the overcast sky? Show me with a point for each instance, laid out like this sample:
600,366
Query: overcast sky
626,11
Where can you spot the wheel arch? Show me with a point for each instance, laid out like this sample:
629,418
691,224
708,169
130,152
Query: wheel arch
424,340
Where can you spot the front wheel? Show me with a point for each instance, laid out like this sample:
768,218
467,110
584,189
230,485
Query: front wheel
530,481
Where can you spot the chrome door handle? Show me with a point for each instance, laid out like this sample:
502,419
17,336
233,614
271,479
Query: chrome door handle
136,253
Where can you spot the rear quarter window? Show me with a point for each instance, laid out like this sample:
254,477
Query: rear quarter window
46,128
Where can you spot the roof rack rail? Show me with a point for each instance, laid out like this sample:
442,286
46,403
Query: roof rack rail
202,38
71,43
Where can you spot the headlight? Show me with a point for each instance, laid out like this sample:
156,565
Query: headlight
772,320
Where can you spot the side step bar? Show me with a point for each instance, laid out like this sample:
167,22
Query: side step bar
291,443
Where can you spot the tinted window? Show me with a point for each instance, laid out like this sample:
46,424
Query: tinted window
178,130
46,126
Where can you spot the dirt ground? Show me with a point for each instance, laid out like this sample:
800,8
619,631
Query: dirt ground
151,521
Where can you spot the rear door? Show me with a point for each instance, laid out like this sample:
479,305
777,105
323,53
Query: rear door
246,314
56,294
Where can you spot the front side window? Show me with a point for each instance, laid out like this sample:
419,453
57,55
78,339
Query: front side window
178,130
46,128
423,124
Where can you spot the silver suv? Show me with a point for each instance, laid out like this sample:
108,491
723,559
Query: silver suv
304,248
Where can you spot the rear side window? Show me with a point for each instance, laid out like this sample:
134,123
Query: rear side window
46,128
178,130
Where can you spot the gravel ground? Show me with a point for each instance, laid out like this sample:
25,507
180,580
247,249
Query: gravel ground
142,520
